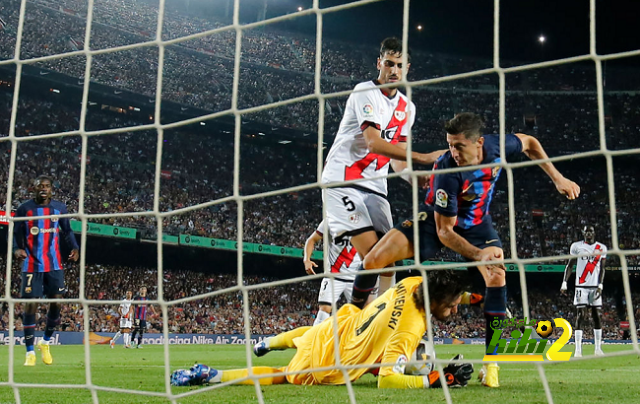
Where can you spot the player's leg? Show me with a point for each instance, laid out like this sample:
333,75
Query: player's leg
116,338
580,320
595,302
279,342
224,376
348,216
380,213
136,329
324,301
143,326
31,289
53,288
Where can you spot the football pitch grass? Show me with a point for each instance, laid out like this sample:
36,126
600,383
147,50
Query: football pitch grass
602,380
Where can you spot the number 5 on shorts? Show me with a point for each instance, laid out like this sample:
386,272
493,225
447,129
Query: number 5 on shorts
349,204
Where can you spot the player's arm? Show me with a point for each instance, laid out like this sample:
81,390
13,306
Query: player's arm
19,235
567,274
573,250
603,262
452,240
400,167
309,247
69,237
377,145
534,150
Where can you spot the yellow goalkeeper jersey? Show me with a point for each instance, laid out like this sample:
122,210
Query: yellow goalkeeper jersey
386,331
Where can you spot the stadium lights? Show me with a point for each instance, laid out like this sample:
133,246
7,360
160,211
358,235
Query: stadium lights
54,90
260,133
419,27
541,38
300,8
284,141
202,123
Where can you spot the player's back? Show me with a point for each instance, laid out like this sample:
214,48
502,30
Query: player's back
468,194
349,158
366,334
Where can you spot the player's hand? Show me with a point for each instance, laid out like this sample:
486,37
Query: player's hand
20,254
428,159
563,288
490,254
309,265
567,188
423,182
456,374
75,254
598,293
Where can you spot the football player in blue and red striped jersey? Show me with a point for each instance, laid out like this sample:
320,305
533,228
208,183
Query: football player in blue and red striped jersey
455,213
140,315
37,242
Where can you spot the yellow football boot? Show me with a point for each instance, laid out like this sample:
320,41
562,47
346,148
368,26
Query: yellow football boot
489,375
46,353
30,359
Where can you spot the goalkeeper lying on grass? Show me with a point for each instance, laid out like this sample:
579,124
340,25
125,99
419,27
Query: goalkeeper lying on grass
389,330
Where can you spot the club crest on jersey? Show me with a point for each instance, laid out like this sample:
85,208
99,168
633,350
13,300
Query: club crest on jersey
442,199
34,230
54,219
407,223
368,110
495,172
354,218
399,115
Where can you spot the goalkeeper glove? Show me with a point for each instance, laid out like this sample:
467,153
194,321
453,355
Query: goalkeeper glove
456,374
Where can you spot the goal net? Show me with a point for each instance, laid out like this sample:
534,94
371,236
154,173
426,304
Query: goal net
179,75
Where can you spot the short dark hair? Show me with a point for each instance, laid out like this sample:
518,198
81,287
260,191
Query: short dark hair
43,177
393,46
444,286
467,123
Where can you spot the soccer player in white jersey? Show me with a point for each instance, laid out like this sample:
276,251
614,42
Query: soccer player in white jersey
372,135
343,259
589,278
126,314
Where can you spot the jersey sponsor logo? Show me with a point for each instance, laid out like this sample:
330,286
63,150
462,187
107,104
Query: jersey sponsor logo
442,199
368,110
37,230
400,364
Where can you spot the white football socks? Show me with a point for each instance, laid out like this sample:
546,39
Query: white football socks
321,316
116,337
579,341
126,338
598,339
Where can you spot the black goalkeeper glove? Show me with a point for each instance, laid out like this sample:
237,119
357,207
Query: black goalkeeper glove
456,374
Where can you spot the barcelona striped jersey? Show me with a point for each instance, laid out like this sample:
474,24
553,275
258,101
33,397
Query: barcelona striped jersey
141,309
468,194
40,238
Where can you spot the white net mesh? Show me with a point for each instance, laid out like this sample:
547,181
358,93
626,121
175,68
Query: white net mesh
234,34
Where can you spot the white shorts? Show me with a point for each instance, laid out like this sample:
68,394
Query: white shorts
125,322
587,297
351,212
328,295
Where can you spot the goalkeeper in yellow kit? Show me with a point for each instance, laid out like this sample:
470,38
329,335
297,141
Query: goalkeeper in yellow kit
386,331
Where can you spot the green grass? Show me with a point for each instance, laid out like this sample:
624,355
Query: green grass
606,380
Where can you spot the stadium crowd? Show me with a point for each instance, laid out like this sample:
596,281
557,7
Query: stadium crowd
272,309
